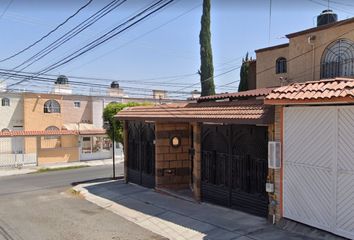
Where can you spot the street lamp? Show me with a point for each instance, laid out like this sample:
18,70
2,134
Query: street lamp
108,126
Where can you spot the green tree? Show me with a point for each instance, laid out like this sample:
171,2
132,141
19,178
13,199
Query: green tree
108,115
244,70
206,71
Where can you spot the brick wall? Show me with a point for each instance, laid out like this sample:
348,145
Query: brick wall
173,164
276,175
196,161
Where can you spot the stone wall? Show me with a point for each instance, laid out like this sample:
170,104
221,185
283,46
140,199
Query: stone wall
173,164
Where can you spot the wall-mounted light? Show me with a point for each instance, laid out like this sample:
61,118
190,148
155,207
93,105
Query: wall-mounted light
175,141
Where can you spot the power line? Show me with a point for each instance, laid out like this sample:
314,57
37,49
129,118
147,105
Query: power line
72,33
49,33
139,37
107,36
6,8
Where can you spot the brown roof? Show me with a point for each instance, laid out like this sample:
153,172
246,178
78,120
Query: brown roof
242,112
26,133
236,95
323,27
30,133
328,90
272,47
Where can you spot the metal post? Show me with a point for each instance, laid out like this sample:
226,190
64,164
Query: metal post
114,154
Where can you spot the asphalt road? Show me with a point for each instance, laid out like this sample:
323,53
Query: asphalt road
40,206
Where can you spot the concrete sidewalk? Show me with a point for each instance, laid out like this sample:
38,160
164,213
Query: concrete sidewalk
175,218
31,169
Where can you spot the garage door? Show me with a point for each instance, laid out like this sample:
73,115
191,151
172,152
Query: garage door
319,167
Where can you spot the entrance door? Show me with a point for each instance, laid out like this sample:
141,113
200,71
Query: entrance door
141,153
234,167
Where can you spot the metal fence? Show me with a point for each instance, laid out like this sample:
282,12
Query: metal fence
18,152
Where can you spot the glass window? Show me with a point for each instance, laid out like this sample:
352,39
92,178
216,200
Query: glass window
52,128
5,102
338,59
77,104
5,130
280,65
51,106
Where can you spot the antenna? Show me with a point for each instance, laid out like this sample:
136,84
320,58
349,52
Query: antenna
328,4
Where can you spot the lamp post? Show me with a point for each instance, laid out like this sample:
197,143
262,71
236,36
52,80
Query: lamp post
108,126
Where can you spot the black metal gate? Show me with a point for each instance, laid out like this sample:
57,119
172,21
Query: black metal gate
234,167
141,153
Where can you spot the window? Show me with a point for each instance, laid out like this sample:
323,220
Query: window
5,102
338,59
77,104
52,128
280,65
5,130
51,106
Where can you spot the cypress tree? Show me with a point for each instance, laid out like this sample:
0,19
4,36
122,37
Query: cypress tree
206,71
243,86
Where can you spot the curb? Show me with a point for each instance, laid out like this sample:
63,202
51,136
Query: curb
152,223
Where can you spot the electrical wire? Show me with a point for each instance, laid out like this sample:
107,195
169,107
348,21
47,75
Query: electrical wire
49,33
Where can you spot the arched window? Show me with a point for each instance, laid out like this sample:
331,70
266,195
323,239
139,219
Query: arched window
5,102
280,65
5,130
52,128
51,106
338,59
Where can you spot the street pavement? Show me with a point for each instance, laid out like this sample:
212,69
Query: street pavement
40,206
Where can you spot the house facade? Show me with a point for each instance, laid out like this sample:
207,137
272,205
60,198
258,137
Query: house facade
224,159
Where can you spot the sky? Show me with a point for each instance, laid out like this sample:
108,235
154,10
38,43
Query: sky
161,52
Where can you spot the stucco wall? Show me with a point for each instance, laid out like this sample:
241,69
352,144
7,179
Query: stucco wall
12,115
304,59
265,65
72,114
302,66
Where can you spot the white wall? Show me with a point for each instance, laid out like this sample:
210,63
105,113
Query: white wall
12,115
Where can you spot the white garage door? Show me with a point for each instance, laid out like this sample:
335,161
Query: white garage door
319,167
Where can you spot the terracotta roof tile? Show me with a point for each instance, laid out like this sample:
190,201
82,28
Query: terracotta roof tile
237,95
242,110
313,90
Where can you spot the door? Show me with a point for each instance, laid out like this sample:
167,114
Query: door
318,184
141,153
234,167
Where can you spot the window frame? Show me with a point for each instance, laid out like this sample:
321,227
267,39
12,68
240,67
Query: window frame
77,104
49,108
281,65
5,102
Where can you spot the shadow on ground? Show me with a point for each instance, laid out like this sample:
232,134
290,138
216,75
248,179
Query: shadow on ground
212,221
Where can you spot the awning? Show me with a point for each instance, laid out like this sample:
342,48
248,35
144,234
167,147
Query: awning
238,112
84,129
337,90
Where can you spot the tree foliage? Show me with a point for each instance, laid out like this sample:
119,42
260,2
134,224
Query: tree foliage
206,71
244,71
108,115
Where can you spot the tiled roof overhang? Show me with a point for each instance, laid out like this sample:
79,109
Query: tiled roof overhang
29,133
260,92
337,90
238,112
24,133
